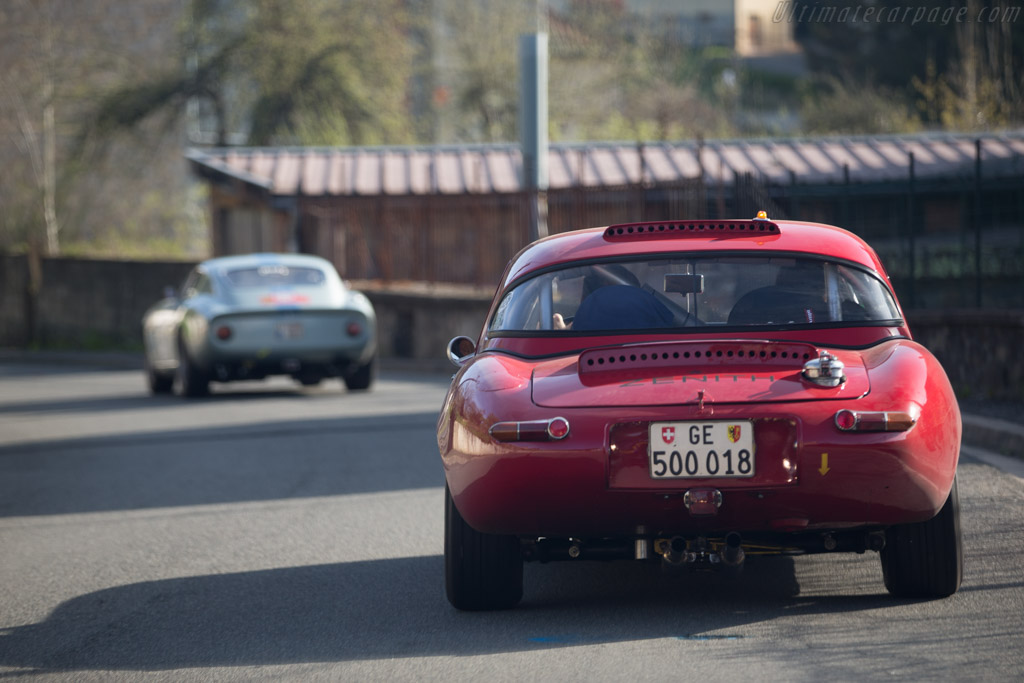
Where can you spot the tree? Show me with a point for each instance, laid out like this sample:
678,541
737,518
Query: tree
980,89
621,75
958,63
56,55
280,72
475,54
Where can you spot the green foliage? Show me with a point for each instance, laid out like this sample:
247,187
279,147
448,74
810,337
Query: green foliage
477,48
326,72
956,68
625,77
304,72
834,108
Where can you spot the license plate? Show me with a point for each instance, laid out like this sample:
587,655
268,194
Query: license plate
701,450
288,330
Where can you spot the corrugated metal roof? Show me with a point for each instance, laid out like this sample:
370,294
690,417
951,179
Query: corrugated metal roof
480,169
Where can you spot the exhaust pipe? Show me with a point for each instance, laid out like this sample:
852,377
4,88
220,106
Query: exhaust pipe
732,552
674,551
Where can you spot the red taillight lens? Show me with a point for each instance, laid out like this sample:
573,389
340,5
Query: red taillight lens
846,420
223,333
554,429
354,329
874,421
558,428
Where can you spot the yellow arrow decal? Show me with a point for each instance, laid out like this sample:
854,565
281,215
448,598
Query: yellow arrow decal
824,469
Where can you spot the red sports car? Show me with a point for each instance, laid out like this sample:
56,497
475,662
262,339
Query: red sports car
694,393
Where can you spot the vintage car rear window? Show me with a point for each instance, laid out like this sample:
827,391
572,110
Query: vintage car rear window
667,293
271,275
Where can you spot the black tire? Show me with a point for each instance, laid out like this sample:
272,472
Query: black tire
363,377
159,383
481,571
192,381
925,560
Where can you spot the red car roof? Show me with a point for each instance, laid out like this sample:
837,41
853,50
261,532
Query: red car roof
693,236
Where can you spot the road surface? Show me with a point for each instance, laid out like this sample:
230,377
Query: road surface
275,533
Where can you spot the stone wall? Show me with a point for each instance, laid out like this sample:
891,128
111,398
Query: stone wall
95,304
82,303
978,349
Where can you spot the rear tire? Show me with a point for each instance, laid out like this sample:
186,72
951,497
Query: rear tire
158,383
309,380
362,379
481,571
925,560
192,381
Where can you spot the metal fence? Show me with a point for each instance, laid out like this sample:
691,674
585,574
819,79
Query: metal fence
951,242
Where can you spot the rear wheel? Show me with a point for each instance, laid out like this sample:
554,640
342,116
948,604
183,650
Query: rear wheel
925,560
192,381
482,571
158,382
362,379
309,380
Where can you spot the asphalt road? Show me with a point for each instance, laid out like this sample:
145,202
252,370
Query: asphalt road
273,533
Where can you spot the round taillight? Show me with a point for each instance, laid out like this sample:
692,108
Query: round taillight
558,428
354,329
846,420
224,333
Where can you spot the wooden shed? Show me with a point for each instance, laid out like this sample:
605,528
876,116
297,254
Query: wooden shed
456,214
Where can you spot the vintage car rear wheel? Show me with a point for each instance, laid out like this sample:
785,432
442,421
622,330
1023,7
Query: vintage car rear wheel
925,559
192,381
363,377
482,571
159,383
310,380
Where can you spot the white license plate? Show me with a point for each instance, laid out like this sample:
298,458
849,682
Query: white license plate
701,450
288,330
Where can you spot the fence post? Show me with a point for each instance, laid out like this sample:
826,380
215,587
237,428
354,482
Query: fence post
977,223
911,272
846,198
794,201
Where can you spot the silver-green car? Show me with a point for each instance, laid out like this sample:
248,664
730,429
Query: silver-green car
248,317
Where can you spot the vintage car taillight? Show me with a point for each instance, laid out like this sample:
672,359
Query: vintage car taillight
223,333
555,429
354,329
874,421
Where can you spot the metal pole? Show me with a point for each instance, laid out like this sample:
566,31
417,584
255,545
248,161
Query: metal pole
533,127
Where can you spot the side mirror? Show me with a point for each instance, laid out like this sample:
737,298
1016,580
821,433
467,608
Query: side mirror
460,349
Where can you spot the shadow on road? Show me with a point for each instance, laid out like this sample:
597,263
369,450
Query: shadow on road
396,608
255,462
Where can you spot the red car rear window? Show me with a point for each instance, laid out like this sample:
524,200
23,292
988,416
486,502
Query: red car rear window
665,293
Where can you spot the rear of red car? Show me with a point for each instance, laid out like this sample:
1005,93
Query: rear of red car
694,393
